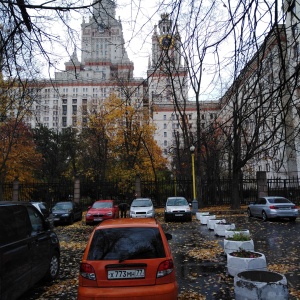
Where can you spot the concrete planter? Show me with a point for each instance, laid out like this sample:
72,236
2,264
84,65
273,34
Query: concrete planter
236,264
199,214
230,233
260,285
204,218
211,223
221,227
233,246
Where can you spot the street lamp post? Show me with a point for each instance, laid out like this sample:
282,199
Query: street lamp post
175,183
194,202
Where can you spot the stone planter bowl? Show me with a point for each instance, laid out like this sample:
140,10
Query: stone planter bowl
204,218
264,285
199,214
211,223
236,265
230,233
233,246
221,227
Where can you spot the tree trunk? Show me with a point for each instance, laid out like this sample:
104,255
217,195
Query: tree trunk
235,202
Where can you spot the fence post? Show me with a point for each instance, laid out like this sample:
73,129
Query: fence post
15,194
262,186
77,189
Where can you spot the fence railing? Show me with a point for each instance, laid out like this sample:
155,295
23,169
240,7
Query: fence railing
209,193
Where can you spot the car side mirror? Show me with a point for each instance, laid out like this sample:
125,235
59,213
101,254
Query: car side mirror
168,236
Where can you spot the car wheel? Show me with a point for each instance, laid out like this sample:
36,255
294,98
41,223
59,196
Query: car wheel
249,213
53,269
292,219
264,216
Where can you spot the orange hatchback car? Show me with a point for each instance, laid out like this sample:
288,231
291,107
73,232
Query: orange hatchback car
128,259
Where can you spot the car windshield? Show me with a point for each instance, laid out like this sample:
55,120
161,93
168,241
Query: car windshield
62,206
279,200
141,203
102,205
177,202
126,243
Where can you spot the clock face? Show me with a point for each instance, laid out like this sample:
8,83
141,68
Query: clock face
166,42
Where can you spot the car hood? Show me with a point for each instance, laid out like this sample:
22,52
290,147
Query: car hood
61,211
99,210
141,208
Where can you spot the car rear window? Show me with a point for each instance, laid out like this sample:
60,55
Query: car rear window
126,243
281,200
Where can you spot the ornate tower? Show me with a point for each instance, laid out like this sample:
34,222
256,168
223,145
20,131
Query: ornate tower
166,75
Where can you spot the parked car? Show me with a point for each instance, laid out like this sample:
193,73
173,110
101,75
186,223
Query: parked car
29,249
66,212
128,258
177,208
142,208
44,209
101,210
273,207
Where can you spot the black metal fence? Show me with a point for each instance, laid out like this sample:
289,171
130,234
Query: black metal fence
209,193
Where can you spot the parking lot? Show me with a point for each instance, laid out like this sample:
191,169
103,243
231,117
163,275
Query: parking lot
199,259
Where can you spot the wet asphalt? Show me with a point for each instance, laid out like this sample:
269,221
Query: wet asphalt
199,277
207,279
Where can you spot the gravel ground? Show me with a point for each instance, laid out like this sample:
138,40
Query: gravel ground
201,275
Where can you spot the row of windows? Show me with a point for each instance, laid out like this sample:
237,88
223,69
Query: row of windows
190,116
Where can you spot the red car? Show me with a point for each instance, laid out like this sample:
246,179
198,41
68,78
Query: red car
101,210
128,259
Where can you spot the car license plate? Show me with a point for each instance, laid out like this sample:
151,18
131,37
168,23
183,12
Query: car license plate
178,215
126,274
97,219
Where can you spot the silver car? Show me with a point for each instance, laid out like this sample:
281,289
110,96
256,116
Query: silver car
272,207
142,208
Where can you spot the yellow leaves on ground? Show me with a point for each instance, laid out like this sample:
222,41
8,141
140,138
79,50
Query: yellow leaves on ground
209,251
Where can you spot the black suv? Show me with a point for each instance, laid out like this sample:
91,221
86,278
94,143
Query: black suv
29,249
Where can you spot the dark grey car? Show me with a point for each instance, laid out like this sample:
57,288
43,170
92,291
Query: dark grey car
272,207
29,249
66,212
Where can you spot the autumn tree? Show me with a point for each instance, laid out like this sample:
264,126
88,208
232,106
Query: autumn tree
19,157
121,140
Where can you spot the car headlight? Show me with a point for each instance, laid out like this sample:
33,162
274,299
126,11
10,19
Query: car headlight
65,215
150,211
88,215
132,212
109,213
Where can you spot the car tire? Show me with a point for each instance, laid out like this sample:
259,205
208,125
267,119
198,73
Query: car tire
54,266
249,213
264,216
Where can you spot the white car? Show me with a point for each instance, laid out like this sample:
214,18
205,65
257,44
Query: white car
177,208
142,208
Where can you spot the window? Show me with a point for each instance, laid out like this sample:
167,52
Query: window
64,107
165,117
74,110
126,243
165,126
64,101
64,121
165,134
74,101
165,143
